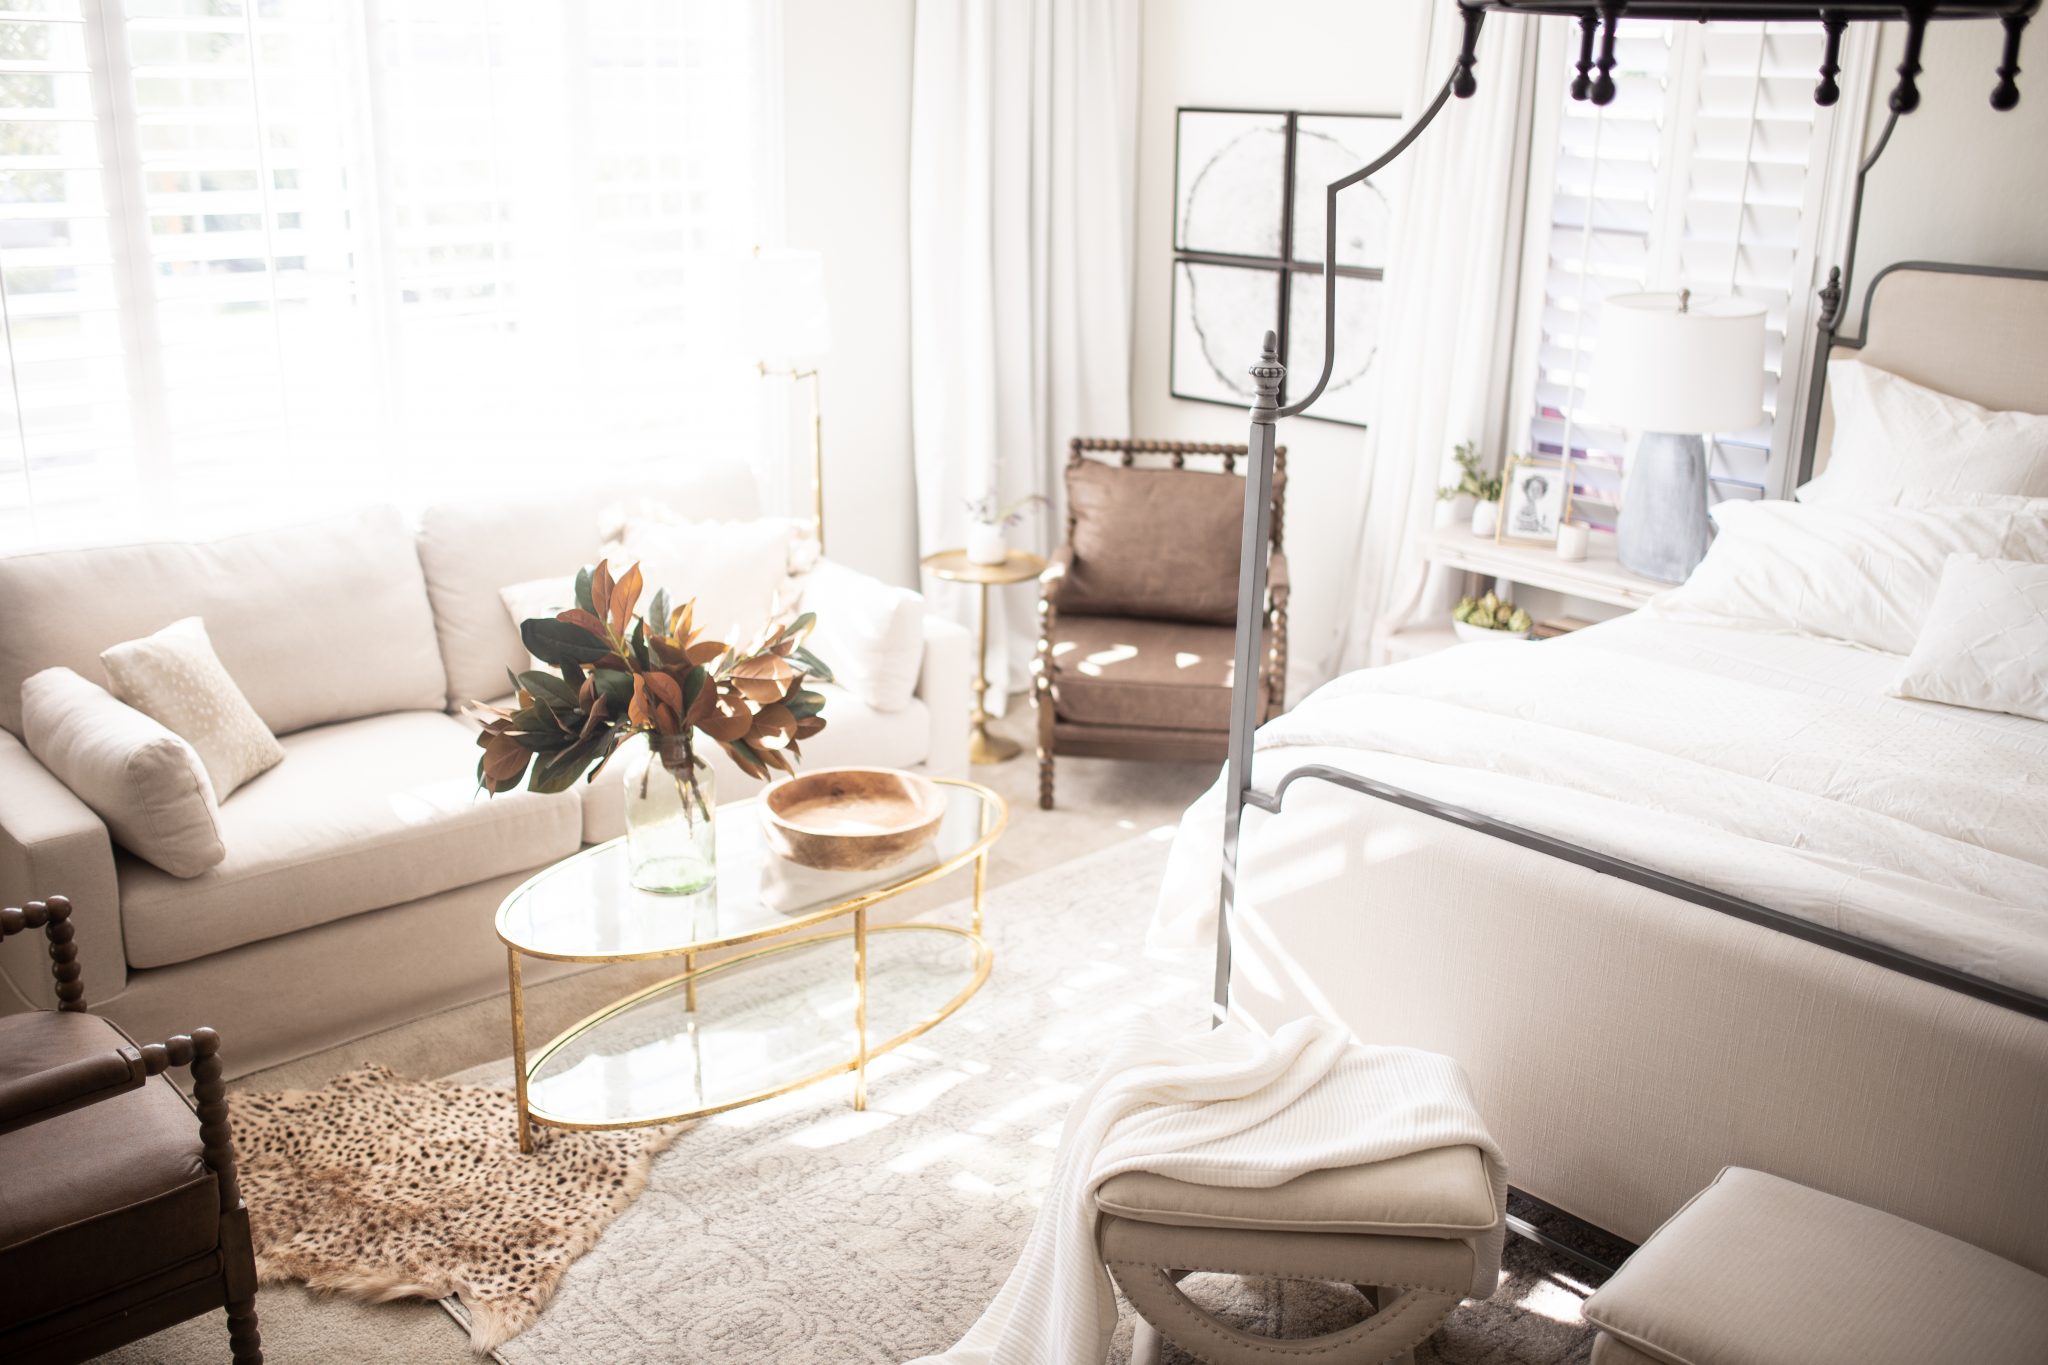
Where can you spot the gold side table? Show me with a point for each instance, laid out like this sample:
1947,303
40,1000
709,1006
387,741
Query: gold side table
954,566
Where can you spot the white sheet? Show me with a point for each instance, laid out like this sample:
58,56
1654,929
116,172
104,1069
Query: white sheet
1773,768
1228,1107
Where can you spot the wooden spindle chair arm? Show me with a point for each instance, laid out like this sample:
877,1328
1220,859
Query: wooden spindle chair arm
53,917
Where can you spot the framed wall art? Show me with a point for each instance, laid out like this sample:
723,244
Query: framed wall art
1248,252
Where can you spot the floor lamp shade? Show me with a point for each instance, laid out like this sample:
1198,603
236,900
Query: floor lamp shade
787,317
1673,367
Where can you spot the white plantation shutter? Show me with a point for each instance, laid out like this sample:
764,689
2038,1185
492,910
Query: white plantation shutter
257,254
1703,173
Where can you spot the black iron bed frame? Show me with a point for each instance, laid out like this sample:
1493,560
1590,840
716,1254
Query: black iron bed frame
1268,375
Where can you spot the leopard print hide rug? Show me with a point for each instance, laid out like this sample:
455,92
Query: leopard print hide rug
379,1187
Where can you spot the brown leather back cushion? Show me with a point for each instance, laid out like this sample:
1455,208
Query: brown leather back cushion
1158,543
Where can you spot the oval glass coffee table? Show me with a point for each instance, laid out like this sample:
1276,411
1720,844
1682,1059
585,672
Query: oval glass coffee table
799,986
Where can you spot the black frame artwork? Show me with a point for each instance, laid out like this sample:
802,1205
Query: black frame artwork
1289,263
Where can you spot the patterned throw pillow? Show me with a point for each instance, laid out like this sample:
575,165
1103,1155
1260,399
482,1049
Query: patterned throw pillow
176,679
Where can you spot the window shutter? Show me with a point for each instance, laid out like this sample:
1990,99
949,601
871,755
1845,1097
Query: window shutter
1696,176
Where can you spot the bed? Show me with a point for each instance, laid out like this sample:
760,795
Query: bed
1646,976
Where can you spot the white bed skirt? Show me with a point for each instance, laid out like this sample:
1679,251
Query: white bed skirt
1626,1045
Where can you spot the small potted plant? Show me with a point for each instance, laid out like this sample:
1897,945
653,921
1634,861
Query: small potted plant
988,521
619,675
1490,617
1479,489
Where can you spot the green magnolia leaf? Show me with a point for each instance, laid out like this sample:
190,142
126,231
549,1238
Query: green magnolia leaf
615,685
559,643
657,609
558,694
638,644
812,664
558,771
801,626
583,590
803,702
693,683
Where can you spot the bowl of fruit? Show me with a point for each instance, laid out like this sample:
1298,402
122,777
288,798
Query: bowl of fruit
1490,618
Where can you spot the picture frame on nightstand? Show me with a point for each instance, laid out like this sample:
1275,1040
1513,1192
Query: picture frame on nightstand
1535,499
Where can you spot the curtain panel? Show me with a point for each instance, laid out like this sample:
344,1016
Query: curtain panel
1023,190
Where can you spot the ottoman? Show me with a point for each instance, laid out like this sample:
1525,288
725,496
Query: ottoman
1402,1231
1759,1270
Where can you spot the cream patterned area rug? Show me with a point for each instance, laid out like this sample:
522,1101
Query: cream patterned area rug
798,1231
381,1188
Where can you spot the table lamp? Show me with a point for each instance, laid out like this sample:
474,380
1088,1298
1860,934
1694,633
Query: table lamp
1673,367
791,328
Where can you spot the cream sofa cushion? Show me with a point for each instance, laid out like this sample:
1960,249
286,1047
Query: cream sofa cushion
471,549
1759,1268
176,679
316,623
361,815
143,781
1984,644
870,633
735,572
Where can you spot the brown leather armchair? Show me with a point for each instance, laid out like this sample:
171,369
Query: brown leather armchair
1137,610
119,1210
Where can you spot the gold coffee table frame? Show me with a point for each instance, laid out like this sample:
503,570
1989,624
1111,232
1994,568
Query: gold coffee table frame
993,817
953,566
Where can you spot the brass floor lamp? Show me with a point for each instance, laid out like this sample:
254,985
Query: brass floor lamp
794,332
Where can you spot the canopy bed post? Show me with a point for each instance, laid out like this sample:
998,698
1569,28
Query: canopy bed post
1245,692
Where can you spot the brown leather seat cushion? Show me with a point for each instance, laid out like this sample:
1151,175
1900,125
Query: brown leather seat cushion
1117,670
101,1196
1158,543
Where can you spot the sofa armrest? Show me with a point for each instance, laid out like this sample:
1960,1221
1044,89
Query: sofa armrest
945,685
51,844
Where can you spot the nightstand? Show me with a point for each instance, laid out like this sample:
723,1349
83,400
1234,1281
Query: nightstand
1596,578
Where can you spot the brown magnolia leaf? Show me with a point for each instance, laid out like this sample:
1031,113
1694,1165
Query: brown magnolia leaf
773,726
746,763
625,597
704,651
808,726
601,588
665,689
727,721
582,620
636,709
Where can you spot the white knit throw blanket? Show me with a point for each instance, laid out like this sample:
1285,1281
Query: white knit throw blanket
1229,1107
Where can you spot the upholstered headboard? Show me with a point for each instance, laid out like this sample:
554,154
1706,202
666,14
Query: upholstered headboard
1973,331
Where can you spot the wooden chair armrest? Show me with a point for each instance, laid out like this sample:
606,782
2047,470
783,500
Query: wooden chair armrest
68,1086
1053,576
1276,577
53,917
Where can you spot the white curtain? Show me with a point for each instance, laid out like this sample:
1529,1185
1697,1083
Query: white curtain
1024,121
1452,268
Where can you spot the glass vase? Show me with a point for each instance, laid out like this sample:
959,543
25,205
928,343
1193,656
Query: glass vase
671,837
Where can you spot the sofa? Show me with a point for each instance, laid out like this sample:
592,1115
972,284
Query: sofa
363,872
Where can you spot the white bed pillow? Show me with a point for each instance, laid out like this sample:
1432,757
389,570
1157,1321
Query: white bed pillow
1985,641
144,782
870,634
176,679
1857,575
1892,434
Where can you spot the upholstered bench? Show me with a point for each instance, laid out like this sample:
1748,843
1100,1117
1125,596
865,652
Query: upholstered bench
1402,1231
1760,1270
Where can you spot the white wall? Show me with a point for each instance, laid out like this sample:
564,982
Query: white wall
1331,56
1960,181
846,110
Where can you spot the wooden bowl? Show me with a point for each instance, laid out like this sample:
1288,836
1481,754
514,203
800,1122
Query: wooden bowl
851,819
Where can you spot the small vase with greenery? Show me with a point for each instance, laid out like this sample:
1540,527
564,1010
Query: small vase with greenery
621,674
1475,483
988,522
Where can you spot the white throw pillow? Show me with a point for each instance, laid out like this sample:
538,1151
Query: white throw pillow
736,571
1985,642
1892,434
175,678
1861,575
143,781
538,597
870,634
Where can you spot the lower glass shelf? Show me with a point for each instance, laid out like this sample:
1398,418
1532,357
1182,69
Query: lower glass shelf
767,1022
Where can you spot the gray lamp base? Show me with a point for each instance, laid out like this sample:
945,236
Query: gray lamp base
1664,530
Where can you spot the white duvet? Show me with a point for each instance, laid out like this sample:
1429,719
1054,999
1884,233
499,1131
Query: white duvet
1772,769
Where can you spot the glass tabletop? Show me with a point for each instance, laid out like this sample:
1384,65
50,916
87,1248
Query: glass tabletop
770,1021
584,908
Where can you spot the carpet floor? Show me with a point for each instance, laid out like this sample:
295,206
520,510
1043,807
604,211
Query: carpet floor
800,1231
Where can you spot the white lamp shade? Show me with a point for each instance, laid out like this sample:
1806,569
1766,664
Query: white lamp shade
1689,371
786,315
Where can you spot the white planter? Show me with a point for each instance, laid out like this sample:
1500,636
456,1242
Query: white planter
1485,515
985,543
1452,511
